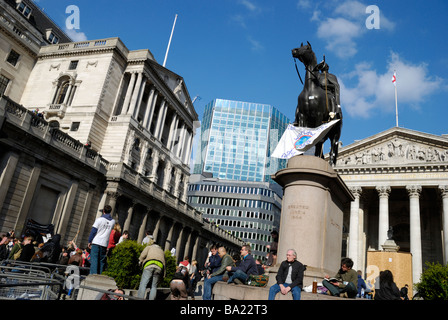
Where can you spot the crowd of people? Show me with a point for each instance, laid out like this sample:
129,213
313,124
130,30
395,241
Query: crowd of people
29,249
49,249
106,234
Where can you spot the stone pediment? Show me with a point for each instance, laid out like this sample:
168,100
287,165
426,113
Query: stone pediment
395,147
177,85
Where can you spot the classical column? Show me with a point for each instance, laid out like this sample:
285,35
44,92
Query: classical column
195,249
187,247
353,244
151,112
148,107
29,193
416,240
67,94
179,244
169,238
444,192
112,201
181,141
85,214
61,226
9,164
124,108
172,134
187,151
160,120
142,229
127,222
155,232
140,98
383,223
135,94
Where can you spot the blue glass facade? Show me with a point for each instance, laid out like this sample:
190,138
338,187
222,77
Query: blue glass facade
237,139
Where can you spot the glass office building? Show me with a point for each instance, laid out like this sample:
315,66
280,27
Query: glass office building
237,139
248,210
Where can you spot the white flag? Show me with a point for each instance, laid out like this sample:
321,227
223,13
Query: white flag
394,79
297,140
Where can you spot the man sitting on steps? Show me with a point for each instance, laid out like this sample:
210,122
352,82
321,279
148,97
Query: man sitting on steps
246,267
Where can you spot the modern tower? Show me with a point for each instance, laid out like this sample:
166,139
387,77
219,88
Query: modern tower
237,139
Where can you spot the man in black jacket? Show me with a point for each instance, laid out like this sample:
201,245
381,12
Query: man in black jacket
246,267
289,277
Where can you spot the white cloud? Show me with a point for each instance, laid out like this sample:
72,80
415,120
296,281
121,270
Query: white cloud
255,45
239,19
345,26
304,4
374,91
249,5
339,34
76,35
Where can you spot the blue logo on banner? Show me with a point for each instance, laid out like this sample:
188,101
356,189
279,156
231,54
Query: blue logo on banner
299,144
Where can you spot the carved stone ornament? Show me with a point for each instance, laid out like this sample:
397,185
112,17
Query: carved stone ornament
396,151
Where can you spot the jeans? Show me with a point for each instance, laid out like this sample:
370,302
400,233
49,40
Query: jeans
98,259
350,289
296,291
150,272
238,274
208,286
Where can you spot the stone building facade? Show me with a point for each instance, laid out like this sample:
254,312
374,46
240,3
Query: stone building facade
399,178
117,108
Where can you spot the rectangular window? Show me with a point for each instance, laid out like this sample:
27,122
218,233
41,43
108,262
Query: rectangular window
24,9
52,38
13,58
73,65
3,84
74,126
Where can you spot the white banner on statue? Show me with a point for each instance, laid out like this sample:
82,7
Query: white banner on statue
297,140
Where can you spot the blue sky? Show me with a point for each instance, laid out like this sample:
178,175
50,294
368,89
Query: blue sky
241,50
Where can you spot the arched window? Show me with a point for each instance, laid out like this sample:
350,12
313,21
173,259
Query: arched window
62,92
63,84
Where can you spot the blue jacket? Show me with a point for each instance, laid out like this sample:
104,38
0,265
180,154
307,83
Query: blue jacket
215,262
247,265
361,284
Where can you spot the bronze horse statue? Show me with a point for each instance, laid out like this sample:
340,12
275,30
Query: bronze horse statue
318,103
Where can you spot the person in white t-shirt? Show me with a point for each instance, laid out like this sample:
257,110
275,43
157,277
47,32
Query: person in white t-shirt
99,239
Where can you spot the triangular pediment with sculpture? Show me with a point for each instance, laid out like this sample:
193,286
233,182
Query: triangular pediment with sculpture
395,147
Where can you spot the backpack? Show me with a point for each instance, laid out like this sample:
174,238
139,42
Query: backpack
257,280
17,254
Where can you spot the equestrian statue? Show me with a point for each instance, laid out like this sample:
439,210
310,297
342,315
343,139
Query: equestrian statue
318,103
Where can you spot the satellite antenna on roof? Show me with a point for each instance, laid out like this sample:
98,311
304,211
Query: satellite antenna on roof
169,42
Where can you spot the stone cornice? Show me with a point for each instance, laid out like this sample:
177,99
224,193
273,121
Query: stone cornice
402,168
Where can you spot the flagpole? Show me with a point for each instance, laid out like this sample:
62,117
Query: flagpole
169,42
394,80
396,105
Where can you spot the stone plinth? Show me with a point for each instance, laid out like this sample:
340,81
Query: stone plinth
312,215
390,246
224,291
95,281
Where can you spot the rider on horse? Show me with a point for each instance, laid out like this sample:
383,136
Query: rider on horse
330,84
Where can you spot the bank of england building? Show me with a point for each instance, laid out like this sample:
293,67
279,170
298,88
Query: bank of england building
92,123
